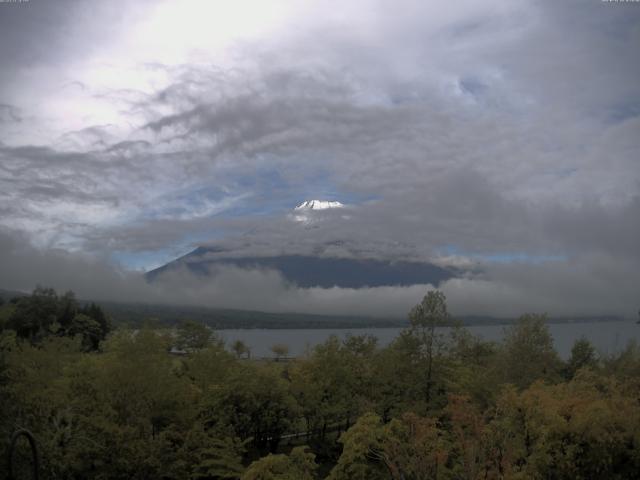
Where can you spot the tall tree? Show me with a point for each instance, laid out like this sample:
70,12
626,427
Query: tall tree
424,318
35,316
528,352
583,354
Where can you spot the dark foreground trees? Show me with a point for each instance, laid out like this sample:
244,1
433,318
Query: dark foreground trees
45,313
348,410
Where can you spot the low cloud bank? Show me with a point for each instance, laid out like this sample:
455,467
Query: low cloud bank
589,285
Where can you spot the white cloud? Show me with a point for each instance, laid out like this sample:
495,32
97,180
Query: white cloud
495,127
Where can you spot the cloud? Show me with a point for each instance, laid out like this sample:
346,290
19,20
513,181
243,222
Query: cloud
501,129
579,287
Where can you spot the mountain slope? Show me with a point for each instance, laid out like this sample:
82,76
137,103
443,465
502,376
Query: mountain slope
310,271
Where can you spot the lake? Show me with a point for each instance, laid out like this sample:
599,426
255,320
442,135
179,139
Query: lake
607,337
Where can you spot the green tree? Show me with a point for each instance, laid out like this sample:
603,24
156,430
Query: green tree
67,311
424,318
95,311
584,429
193,335
330,386
298,465
528,352
34,316
240,348
255,402
200,454
411,447
583,354
360,459
280,350
88,329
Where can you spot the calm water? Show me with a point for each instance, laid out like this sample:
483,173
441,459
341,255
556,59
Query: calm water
608,337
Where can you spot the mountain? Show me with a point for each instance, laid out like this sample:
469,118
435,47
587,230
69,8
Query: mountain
7,295
304,213
318,266
310,271
318,205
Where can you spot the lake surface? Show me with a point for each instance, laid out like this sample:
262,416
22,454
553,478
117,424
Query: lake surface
607,337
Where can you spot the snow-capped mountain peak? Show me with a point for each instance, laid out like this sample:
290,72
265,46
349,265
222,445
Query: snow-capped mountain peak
302,213
318,205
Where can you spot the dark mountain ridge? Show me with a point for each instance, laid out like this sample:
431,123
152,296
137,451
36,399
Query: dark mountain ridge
313,271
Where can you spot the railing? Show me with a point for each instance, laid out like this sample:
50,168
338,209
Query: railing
34,452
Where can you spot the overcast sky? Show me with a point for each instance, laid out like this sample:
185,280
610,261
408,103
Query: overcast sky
503,136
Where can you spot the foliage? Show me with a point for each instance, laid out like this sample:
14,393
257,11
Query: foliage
410,447
123,407
240,348
298,465
280,350
528,352
193,336
424,318
44,313
583,355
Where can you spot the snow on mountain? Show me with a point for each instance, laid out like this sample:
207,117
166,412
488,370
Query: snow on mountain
318,205
302,213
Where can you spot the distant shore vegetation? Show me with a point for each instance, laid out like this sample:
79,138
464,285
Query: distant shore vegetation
151,402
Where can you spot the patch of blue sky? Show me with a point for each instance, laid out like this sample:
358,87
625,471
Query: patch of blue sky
624,111
503,257
145,261
200,202
272,193
150,259
519,257
267,190
472,86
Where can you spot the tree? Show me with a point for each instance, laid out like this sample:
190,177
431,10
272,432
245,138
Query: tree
467,432
332,385
528,352
193,335
358,460
298,465
94,311
88,329
240,348
586,428
411,447
255,402
44,313
67,310
583,354
34,316
202,454
280,350
424,318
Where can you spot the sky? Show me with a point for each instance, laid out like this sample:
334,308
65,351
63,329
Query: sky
500,137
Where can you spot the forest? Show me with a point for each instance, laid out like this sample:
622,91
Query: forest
107,402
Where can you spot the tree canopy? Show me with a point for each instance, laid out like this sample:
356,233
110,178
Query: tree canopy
118,405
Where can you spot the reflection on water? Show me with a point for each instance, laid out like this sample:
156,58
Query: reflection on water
608,337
